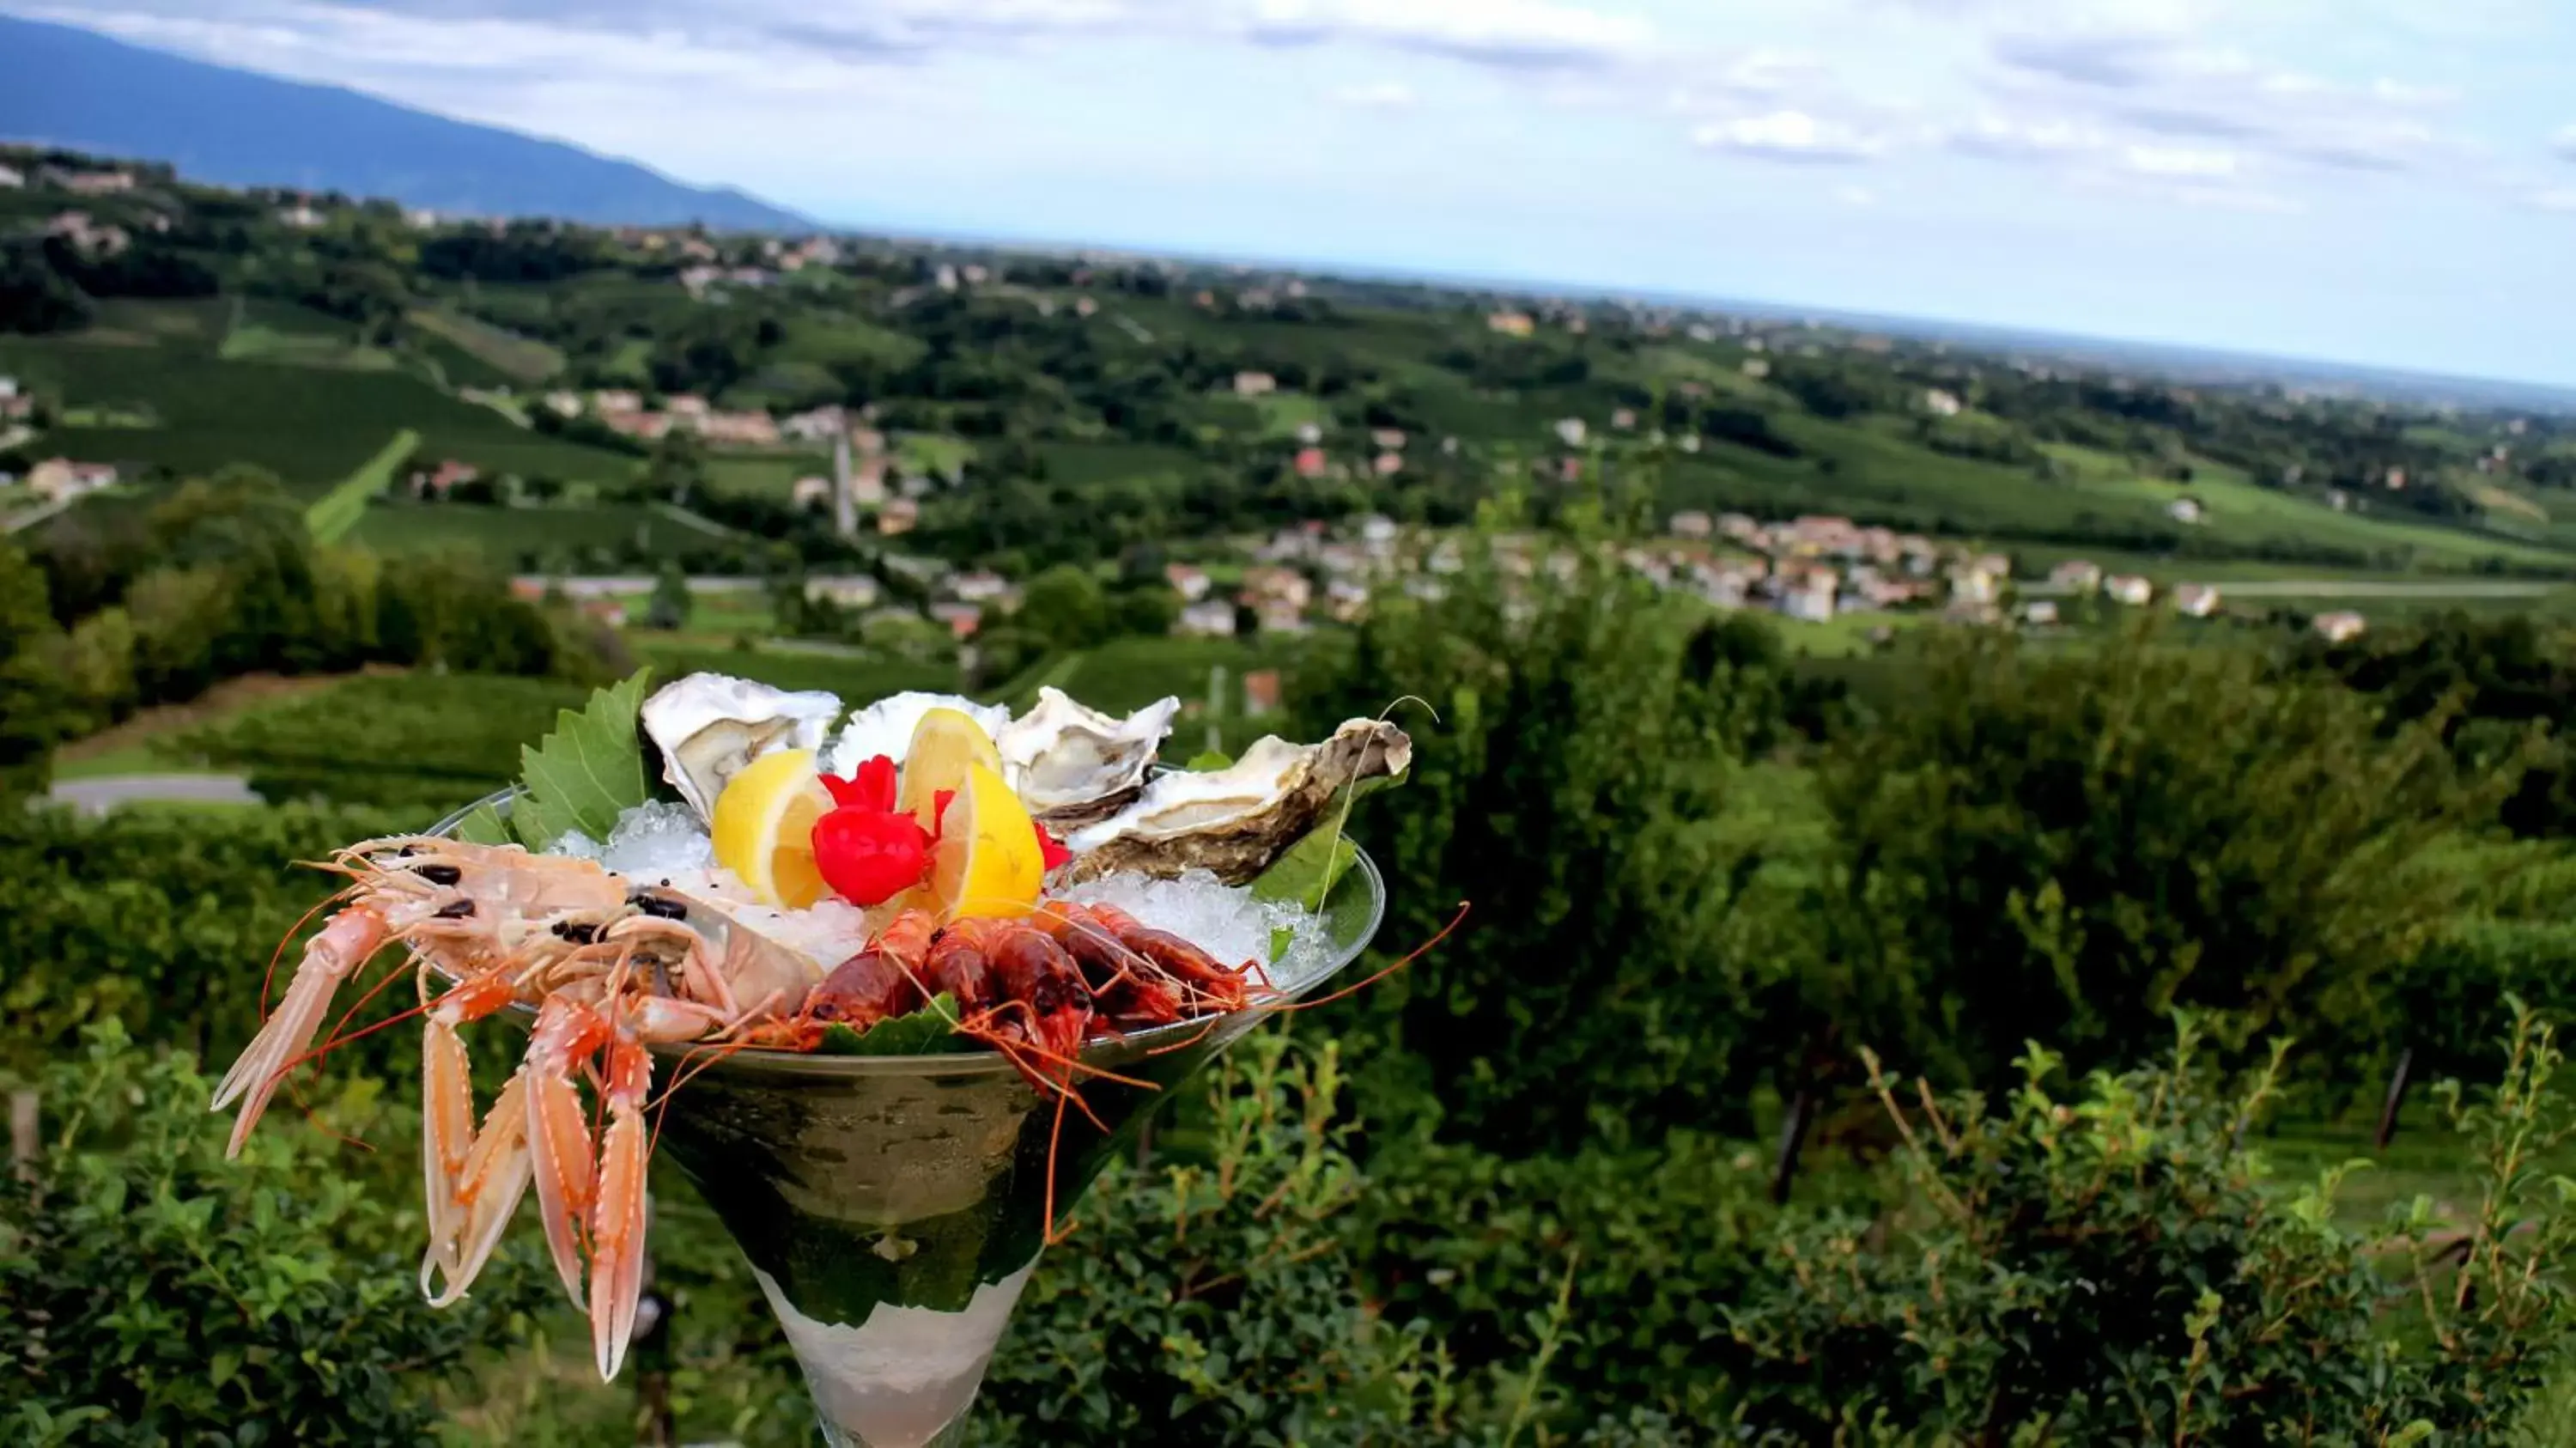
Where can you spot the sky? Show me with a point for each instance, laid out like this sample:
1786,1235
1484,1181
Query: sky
2388,182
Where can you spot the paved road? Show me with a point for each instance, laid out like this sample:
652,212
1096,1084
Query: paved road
2346,588
98,796
17,522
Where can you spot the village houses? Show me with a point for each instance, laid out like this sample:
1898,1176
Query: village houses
1187,579
2340,628
2076,576
2196,600
2129,589
1209,618
59,480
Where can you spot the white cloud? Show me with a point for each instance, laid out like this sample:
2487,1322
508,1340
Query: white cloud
1790,136
1855,196
2556,199
2564,144
1384,95
2236,198
1494,32
2178,161
2002,138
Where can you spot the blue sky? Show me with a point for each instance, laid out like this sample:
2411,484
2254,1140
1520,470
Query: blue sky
2377,181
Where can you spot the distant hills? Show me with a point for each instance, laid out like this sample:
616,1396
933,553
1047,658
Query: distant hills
67,87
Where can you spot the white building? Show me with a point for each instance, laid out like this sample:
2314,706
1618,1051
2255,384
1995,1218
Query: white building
2076,575
2128,588
2039,612
2184,510
1211,618
1940,403
1974,583
1190,582
1693,525
2340,628
1811,599
2196,600
849,590
1570,431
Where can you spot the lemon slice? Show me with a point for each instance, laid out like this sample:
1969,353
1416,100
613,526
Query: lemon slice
764,827
987,861
944,744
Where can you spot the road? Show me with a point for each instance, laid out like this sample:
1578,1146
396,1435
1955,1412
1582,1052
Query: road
98,796
17,522
2343,588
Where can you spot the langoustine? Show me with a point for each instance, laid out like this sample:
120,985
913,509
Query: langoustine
613,967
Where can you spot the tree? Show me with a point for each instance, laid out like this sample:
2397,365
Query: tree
33,710
1065,606
678,468
669,608
1147,611
2065,846
1571,787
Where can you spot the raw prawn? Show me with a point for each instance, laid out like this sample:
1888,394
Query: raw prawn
611,970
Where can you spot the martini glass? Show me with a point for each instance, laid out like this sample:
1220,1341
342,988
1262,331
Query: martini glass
893,1207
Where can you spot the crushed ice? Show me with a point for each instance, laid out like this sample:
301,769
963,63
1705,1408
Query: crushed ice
1223,920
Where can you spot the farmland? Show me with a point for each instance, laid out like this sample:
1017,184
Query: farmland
1605,1155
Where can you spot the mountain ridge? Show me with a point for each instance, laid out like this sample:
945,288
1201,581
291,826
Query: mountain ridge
61,85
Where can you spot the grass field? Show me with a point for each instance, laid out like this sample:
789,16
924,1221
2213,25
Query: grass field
931,452
511,537
1081,464
312,426
764,475
521,360
857,681
2240,511
336,512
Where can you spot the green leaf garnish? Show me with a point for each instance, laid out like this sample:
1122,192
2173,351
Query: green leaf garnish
484,827
1307,874
1309,869
929,1031
1213,759
587,772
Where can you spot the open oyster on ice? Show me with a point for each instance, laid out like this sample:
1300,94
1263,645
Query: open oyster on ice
1073,765
708,726
1237,820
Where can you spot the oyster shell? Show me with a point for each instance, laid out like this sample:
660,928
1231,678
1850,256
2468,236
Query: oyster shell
708,726
1236,821
885,727
1073,765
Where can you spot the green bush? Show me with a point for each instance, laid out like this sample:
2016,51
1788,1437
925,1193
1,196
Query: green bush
152,1292
1568,779
165,924
2062,846
2107,1267
1212,1301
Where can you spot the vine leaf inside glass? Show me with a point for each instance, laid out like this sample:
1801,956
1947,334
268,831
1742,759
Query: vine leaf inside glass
929,1031
587,772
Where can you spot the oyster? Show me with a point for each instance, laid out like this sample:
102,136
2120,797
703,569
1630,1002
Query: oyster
1073,765
1235,821
885,727
708,726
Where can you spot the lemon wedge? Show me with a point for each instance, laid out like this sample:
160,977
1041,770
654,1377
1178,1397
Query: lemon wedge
944,745
764,827
987,861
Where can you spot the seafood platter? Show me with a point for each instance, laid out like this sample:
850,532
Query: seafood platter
893,945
